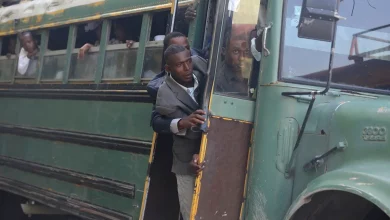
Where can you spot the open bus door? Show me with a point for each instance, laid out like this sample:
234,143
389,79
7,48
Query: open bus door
225,148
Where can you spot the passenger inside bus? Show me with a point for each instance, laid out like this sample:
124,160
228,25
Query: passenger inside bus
241,53
96,27
171,38
235,54
180,97
28,57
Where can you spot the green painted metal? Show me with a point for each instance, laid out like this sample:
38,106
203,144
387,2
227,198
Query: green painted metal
355,179
114,202
69,50
129,120
42,51
196,30
119,119
144,38
235,108
122,166
106,28
336,118
17,49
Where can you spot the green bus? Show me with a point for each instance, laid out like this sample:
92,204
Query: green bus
300,134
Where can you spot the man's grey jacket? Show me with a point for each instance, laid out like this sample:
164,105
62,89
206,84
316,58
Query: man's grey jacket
173,102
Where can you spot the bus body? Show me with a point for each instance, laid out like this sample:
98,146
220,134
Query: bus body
80,140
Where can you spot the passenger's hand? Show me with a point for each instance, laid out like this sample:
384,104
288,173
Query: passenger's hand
196,165
192,120
190,14
83,50
129,43
30,55
9,55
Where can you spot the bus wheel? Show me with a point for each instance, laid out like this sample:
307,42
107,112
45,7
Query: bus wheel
337,205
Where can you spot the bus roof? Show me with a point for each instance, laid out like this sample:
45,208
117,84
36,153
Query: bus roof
40,14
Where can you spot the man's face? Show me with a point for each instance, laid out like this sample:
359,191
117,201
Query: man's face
120,33
180,66
182,41
237,52
28,43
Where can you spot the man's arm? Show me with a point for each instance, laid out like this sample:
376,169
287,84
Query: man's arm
160,123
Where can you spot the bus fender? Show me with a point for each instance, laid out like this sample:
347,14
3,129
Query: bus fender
372,186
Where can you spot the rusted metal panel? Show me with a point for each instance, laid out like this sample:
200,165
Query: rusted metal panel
62,202
222,184
100,183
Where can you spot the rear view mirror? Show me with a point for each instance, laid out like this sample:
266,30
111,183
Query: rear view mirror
318,19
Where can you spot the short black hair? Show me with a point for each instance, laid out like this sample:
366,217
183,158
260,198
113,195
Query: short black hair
170,36
172,50
25,33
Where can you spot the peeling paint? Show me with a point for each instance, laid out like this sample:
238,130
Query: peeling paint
40,7
39,18
257,210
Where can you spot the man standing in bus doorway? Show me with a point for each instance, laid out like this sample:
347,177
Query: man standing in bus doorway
180,97
160,124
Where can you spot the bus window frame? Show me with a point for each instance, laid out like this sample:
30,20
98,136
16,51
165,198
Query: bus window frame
153,44
48,53
13,57
44,34
222,26
71,50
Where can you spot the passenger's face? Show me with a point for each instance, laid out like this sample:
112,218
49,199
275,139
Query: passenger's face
28,43
180,66
236,53
120,33
182,41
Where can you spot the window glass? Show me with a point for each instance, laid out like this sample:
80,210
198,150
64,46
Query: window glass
120,63
28,59
54,60
236,61
7,58
53,67
7,67
362,54
85,57
84,68
154,48
121,54
152,62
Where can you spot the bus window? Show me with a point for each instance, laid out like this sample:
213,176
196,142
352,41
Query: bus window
85,56
7,58
54,60
236,61
154,48
27,66
121,54
362,52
